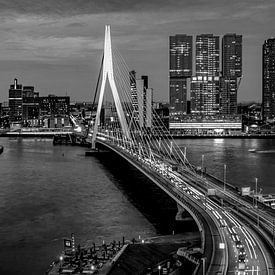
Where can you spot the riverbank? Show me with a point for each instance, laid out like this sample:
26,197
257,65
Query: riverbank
240,136
51,134
150,255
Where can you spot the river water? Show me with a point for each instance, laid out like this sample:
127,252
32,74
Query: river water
48,192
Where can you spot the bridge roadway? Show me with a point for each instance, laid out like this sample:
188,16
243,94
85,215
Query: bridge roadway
226,223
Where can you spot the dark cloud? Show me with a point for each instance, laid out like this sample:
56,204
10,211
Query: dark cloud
76,25
72,31
74,7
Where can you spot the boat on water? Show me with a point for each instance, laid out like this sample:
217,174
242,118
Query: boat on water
262,151
1,149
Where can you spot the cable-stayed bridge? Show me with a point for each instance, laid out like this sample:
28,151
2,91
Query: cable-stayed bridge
237,233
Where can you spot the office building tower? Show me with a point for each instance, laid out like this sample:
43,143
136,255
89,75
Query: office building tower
205,95
145,81
30,103
145,101
15,102
231,72
5,109
268,79
232,55
228,95
180,69
207,55
205,90
134,95
53,105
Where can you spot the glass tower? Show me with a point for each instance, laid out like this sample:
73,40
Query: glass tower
268,89
180,69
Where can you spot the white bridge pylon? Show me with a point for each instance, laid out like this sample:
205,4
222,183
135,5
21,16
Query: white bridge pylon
108,73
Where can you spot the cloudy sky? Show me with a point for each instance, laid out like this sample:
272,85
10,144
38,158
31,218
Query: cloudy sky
56,45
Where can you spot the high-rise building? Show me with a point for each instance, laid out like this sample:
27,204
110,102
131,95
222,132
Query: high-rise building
180,69
232,55
15,102
134,95
207,55
205,95
145,100
205,90
268,82
132,76
228,95
5,109
231,72
30,103
53,105
142,98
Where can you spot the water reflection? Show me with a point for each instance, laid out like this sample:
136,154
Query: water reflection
242,165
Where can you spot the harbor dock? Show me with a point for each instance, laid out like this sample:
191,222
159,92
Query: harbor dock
135,256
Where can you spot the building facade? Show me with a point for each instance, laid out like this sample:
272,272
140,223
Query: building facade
228,95
207,55
232,55
205,90
231,72
268,79
206,125
53,105
205,95
145,101
30,104
134,95
180,69
15,102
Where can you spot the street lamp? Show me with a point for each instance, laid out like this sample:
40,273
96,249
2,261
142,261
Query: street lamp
159,268
61,259
224,177
202,160
203,265
256,187
256,201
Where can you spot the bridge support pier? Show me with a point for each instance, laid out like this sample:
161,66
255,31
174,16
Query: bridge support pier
182,214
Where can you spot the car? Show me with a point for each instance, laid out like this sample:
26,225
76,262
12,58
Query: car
239,244
242,251
241,257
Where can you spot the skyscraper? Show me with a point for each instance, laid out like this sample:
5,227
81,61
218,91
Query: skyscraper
134,95
268,82
207,55
205,90
232,55
231,72
30,104
228,95
141,97
180,69
145,99
15,101
205,96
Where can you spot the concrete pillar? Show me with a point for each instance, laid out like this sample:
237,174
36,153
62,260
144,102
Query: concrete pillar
179,215
182,214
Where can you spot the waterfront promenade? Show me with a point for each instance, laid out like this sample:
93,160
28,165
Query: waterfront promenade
36,132
136,256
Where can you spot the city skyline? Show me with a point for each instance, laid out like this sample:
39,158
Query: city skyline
57,48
